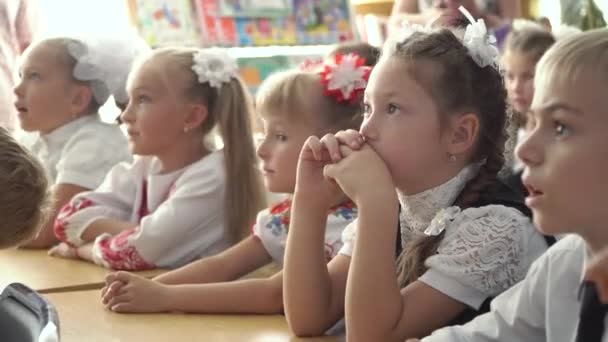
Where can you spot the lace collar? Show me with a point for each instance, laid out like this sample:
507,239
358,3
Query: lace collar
418,210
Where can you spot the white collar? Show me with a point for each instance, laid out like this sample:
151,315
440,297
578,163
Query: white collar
60,135
418,210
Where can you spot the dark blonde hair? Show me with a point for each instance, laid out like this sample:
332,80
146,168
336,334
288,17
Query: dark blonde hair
369,52
529,40
457,85
572,56
24,199
299,94
230,113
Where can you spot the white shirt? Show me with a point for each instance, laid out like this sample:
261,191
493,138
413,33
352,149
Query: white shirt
543,307
80,152
180,215
484,251
272,226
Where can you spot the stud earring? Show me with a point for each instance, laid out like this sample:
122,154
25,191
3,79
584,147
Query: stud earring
452,158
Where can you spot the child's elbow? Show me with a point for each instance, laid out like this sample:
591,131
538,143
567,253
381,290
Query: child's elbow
307,327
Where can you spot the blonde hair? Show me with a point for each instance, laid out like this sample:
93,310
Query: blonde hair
457,85
230,113
24,200
299,94
568,59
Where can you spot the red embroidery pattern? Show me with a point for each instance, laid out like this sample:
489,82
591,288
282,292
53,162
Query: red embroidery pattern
61,222
117,252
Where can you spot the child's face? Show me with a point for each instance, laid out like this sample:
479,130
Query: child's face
154,116
280,149
519,79
566,156
45,93
402,125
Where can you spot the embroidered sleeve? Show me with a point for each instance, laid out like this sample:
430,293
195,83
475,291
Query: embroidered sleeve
90,154
113,199
117,253
186,226
338,221
481,255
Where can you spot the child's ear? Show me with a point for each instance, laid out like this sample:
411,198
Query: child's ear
81,99
196,116
463,133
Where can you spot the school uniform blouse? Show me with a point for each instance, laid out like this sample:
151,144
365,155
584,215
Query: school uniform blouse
80,152
179,216
543,307
484,251
272,226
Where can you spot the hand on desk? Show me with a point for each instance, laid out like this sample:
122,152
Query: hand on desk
63,250
126,292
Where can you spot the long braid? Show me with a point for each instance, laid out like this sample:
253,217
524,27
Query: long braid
461,86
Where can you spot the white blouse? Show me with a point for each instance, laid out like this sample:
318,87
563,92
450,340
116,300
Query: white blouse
179,215
543,307
484,251
80,152
272,226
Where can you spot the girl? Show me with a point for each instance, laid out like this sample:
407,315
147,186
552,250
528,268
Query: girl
293,106
182,198
565,154
434,131
524,46
63,83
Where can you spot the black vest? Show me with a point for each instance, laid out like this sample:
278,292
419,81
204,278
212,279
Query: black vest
498,193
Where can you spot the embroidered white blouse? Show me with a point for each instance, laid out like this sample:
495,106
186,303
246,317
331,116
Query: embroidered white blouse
272,226
543,307
80,152
484,250
179,215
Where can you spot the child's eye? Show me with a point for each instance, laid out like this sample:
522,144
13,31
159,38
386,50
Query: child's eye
562,130
143,99
33,76
392,109
281,137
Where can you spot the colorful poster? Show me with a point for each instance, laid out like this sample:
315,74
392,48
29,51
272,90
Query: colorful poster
322,21
166,22
255,8
266,31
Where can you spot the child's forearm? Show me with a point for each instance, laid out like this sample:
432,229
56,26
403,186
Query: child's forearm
372,271
261,296
85,252
241,259
307,284
105,225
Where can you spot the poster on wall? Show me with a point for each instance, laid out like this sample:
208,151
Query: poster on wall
322,21
167,22
255,8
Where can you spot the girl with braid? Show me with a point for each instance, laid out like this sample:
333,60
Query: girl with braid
438,235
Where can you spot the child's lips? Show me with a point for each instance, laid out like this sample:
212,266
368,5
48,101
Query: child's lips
534,194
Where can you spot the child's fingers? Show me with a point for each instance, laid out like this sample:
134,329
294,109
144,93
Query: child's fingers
314,145
123,276
124,298
350,137
332,145
121,308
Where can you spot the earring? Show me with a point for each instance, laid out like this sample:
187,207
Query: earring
186,129
451,158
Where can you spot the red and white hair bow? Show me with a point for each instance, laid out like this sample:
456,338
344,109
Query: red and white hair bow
347,78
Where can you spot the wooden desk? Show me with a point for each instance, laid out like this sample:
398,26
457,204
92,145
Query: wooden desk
83,318
46,274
